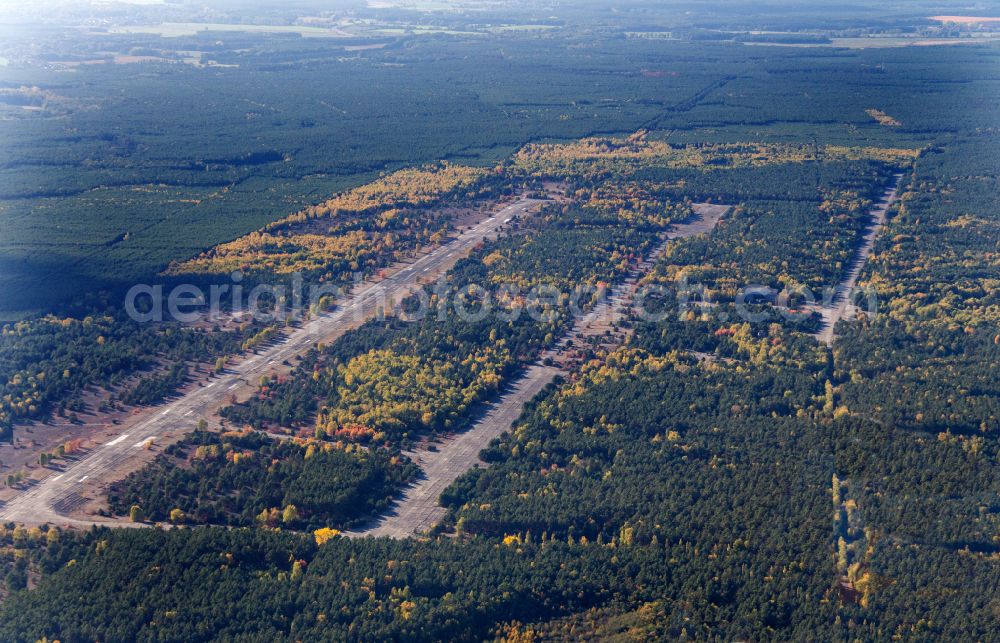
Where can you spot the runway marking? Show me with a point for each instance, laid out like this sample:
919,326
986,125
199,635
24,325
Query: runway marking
363,300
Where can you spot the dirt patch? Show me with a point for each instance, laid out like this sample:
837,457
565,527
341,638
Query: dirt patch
659,73
128,60
883,118
965,20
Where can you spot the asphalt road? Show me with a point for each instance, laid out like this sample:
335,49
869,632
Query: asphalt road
52,498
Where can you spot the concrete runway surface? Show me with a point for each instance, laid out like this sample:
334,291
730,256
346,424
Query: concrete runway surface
840,304
53,498
417,510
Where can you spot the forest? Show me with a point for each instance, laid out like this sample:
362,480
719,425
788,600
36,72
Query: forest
706,477
46,363
203,156
393,379
355,232
206,155
715,435
247,478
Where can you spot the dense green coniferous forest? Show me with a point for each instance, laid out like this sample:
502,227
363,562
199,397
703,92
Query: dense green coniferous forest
699,475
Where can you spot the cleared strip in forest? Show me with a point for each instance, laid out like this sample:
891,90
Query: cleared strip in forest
47,500
688,103
417,510
607,314
836,309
